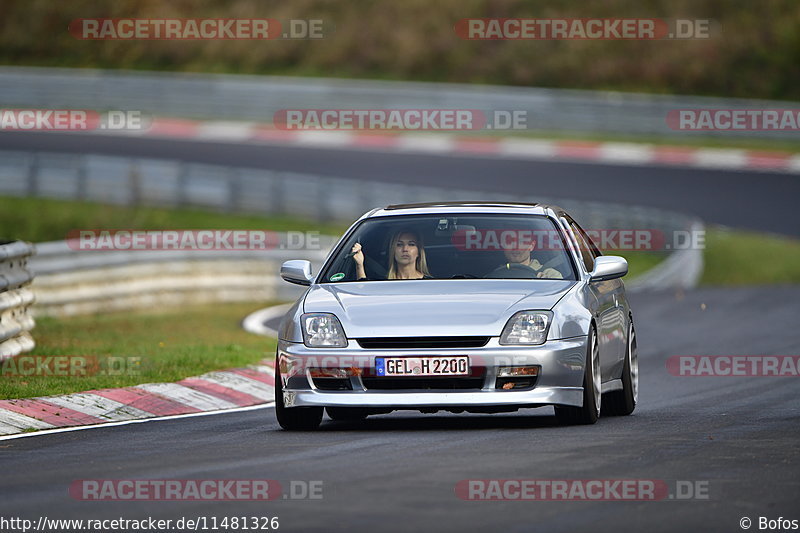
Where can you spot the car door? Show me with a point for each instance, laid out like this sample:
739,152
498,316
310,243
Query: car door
610,311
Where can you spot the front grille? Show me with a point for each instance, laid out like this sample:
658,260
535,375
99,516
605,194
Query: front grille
389,343
424,383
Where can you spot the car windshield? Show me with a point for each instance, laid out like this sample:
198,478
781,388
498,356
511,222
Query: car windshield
469,246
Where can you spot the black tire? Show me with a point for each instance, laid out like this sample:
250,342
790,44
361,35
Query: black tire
590,411
348,414
294,418
623,402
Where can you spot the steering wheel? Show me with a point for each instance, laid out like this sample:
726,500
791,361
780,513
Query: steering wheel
512,270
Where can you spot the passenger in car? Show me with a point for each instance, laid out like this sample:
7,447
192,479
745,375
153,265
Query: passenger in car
407,253
517,254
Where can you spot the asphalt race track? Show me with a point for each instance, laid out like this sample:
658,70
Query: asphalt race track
736,437
756,200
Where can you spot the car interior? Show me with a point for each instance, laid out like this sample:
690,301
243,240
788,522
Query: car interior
447,256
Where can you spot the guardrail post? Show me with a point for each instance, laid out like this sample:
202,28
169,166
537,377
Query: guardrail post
33,174
277,206
134,182
234,190
15,298
81,177
323,202
183,180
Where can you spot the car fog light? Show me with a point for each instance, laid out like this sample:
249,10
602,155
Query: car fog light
339,373
511,371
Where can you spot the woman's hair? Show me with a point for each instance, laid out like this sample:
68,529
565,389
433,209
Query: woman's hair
422,261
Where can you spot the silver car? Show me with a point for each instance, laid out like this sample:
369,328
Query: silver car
477,307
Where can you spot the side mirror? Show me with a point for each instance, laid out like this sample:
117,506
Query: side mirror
297,271
609,267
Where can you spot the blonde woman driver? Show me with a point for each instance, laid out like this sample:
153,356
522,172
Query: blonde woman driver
407,254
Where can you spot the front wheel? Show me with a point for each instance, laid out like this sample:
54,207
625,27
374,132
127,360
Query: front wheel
623,402
294,418
590,411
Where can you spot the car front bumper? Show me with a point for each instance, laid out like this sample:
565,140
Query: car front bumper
560,379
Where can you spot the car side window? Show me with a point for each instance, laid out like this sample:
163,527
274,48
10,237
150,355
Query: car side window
586,246
592,246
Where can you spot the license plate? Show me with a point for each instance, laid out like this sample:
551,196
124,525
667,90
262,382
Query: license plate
455,365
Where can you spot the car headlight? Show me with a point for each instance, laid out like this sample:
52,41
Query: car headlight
322,330
527,327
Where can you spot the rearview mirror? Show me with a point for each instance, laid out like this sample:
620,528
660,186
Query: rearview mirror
297,271
609,267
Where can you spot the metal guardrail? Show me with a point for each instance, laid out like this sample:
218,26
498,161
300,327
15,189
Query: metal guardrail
257,98
71,281
15,299
172,183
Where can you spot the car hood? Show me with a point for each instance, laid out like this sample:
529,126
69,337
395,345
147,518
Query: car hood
413,308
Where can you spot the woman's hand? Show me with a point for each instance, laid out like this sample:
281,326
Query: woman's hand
358,255
358,258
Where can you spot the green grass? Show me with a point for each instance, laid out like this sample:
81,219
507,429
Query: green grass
41,219
734,257
639,262
169,345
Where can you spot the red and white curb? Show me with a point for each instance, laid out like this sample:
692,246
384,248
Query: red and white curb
226,390
507,147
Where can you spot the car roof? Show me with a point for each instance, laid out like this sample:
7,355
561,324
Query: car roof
483,207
